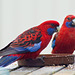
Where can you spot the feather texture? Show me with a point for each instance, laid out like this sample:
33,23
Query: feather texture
28,44
6,60
65,40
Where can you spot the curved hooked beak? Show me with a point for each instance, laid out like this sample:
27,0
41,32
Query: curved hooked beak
57,29
73,22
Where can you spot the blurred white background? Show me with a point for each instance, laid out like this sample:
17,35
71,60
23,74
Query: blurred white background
17,16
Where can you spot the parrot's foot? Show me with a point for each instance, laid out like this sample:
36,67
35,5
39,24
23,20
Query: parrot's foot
42,59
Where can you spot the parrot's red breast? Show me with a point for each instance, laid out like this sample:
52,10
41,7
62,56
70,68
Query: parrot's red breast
65,39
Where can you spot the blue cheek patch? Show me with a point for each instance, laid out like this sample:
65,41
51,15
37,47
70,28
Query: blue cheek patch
68,24
50,31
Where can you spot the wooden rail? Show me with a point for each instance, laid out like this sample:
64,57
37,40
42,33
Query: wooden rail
50,60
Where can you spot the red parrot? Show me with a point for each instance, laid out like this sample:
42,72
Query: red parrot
29,44
64,40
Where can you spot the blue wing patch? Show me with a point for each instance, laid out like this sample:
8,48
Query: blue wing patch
53,43
29,49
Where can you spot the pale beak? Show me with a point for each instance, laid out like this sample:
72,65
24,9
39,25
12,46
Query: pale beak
58,29
73,21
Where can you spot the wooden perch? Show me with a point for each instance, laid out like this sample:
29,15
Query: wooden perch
50,60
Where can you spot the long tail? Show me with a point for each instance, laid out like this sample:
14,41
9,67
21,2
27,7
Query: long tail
6,60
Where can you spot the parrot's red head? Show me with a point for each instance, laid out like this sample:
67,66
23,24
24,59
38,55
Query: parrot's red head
49,26
69,21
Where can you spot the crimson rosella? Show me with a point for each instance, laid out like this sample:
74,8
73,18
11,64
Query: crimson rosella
29,44
64,40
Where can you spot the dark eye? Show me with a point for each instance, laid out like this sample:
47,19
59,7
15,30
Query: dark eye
69,18
52,24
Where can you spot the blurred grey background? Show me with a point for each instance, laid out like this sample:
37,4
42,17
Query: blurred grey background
17,16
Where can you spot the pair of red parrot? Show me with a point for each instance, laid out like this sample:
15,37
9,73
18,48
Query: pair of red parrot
30,43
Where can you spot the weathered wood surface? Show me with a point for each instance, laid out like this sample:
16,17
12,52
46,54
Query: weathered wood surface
65,72
35,71
54,70
50,59
70,70
48,70
24,71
